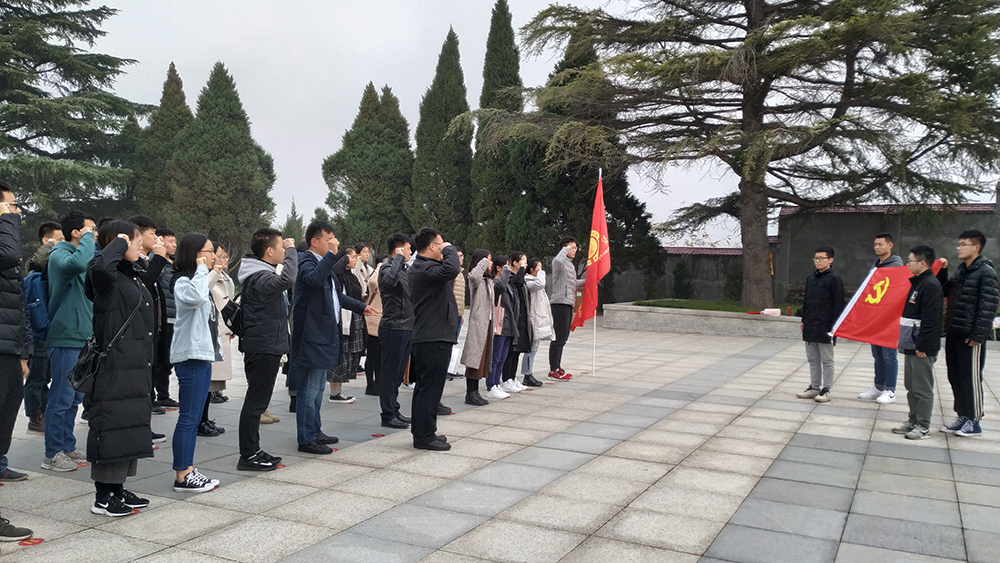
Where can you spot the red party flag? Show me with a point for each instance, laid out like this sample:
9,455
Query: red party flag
874,311
598,259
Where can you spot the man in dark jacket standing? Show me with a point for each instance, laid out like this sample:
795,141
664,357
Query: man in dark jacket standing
920,341
434,328
265,335
883,390
395,330
972,295
823,303
316,329
15,336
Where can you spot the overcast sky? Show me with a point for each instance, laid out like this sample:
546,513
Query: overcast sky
300,68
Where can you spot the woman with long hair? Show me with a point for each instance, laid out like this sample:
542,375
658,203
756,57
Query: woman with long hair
223,290
373,352
478,352
540,316
194,347
124,323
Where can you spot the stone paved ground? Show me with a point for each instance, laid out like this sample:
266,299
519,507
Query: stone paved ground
682,448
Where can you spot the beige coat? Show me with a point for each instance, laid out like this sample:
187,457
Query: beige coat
374,298
479,319
460,292
363,271
221,287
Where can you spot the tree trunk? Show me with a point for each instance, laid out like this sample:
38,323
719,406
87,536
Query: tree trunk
757,290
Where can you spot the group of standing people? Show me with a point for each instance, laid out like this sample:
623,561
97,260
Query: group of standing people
970,297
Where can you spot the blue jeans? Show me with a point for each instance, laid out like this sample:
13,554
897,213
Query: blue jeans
886,367
501,345
60,412
528,359
311,383
193,378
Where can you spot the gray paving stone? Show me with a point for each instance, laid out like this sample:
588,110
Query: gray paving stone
977,459
924,487
910,508
625,420
978,494
842,460
852,553
660,402
560,513
668,531
798,406
808,521
753,545
423,526
911,467
829,443
471,498
977,475
350,548
901,535
603,430
516,542
667,393
811,473
804,494
849,412
578,443
981,518
728,400
983,547
515,476
545,457
643,410
257,539
907,451
602,550
92,542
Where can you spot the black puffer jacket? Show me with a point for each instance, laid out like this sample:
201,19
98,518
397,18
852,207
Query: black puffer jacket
523,341
823,303
397,302
972,295
14,337
923,305
119,413
265,310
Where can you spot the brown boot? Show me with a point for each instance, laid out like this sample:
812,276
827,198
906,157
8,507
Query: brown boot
37,423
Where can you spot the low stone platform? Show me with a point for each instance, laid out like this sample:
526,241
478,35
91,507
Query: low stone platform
681,448
628,316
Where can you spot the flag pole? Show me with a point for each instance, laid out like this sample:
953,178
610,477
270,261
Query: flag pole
597,299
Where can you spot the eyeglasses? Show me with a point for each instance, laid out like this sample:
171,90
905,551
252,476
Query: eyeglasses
961,244
821,258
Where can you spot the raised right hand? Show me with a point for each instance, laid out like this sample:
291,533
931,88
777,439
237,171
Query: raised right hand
288,243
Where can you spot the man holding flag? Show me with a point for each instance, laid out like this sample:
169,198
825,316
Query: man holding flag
883,390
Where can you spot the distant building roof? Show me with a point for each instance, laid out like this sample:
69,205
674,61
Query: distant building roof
703,251
894,209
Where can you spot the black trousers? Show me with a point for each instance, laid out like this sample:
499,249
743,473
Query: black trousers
36,386
373,359
162,367
11,393
395,349
261,371
562,316
965,373
429,371
510,366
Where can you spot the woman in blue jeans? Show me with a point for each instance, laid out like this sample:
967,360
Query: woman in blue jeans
194,347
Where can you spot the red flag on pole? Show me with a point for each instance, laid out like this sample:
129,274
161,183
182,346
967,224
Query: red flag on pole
598,258
873,314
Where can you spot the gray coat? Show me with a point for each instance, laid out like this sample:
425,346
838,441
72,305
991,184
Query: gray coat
564,282
479,319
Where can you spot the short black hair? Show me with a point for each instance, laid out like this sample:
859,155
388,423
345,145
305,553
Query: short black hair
381,258
72,221
263,239
396,240
516,256
165,232
105,221
47,228
827,249
886,236
500,260
142,223
566,240
315,228
110,230
6,187
924,253
532,262
974,234
425,237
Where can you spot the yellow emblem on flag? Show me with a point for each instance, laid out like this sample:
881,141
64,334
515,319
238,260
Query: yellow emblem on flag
593,250
880,290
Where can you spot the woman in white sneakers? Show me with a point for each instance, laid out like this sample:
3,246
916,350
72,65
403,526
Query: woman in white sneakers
540,316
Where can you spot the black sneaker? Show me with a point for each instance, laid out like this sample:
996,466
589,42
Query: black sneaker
324,439
530,381
154,409
315,448
275,459
204,429
216,427
217,397
195,482
132,500
9,532
159,438
443,410
256,462
168,403
112,506
342,399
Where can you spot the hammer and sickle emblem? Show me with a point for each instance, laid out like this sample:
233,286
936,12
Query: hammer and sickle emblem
880,288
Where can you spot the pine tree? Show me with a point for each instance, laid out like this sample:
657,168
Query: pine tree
220,178
320,214
496,204
156,147
58,118
293,227
441,191
369,174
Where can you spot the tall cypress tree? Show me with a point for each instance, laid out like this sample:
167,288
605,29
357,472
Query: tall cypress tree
441,190
220,177
494,168
157,145
371,171
294,226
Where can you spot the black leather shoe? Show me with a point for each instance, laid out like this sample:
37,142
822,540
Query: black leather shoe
474,398
324,439
441,438
215,397
395,423
156,409
530,381
315,448
204,429
443,410
436,445
168,403
405,419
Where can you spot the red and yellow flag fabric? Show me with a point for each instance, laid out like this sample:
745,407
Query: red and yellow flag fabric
873,314
598,259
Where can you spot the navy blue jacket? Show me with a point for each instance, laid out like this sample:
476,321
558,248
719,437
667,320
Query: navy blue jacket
315,330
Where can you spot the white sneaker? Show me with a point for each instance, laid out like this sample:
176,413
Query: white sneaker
510,387
886,397
520,386
496,393
871,394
